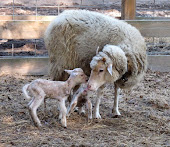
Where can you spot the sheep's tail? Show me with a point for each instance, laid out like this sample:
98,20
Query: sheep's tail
24,90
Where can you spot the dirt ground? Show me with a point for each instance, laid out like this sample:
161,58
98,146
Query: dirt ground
145,120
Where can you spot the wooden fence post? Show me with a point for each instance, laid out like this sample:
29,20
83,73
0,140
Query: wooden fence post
128,11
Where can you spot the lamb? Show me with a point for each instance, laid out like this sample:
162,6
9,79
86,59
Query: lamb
60,90
73,38
80,98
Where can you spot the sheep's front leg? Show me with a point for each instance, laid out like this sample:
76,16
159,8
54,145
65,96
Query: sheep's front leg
89,107
115,109
63,112
98,99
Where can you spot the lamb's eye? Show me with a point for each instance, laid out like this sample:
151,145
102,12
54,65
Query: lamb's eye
101,70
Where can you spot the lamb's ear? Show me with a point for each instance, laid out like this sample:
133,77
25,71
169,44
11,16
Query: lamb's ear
97,50
109,69
68,71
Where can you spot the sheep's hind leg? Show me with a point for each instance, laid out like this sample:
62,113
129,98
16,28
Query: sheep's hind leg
33,110
115,109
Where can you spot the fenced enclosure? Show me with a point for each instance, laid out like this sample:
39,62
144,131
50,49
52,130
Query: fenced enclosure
22,22
144,119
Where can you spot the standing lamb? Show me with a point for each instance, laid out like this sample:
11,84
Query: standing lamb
40,88
74,36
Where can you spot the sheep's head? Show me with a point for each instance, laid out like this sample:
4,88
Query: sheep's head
107,66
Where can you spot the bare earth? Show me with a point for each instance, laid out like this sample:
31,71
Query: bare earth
145,119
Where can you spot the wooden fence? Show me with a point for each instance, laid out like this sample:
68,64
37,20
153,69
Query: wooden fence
34,29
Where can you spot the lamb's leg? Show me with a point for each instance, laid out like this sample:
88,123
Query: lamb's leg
72,105
81,110
63,111
89,107
60,114
97,114
45,106
115,109
33,110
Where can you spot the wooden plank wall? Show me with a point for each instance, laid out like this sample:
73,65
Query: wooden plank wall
40,65
20,29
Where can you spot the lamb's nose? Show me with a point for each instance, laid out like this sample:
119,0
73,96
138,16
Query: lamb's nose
87,78
88,86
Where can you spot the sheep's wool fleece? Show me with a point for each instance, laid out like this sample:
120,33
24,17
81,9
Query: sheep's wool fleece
73,37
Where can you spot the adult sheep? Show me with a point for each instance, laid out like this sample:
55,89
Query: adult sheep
72,39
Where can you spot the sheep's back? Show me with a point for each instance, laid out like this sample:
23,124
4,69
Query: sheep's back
73,37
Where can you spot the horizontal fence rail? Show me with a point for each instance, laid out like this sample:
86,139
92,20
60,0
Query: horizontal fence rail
40,65
34,29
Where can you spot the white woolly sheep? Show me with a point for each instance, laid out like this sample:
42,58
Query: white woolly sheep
80,98
74,36
60,90
112,66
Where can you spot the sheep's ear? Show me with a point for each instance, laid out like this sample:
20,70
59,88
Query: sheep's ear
68,71
97,50
109,69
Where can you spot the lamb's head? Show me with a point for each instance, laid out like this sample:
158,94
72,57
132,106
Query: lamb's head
77,75
107,66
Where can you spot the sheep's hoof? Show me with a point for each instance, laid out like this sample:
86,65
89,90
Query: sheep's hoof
65,127
68,115
98,116
116,116
115,113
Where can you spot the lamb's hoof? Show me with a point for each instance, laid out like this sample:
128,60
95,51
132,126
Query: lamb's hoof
76,109
82,114
89,120
90,117
39,126
65,127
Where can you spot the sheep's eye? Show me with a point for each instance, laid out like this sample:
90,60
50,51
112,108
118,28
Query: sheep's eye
101,70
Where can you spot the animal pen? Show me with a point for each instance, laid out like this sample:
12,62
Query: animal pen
145,111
